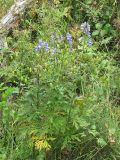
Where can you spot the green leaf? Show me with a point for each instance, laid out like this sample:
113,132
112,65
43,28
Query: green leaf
83,123
41,155
106,40
2,104
88,2
10,91
98,26
103,33
94,132
112,130
101,142
95,33
107,27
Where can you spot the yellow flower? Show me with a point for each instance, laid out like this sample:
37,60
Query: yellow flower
42,144
34,138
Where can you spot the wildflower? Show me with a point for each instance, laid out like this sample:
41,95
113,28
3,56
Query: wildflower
89,40
52,38
86,29
69,38
42,144
39,46
54,51
36,49
46,46
70,49
42,45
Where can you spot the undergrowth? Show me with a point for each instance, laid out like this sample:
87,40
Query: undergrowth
4,6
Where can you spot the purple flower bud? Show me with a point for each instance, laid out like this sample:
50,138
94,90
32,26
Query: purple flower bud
86,29
89,35
36,49
89,39
89,43
46,46
42,45
69,38
39,46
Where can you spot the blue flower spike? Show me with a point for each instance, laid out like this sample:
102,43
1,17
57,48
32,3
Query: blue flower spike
42,45
69,38
85,27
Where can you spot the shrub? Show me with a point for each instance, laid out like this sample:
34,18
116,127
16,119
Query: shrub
59,95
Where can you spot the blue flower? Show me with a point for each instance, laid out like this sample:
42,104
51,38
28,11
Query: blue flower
46,46
86,29
89,39
36,49
42,45
69,38
39,46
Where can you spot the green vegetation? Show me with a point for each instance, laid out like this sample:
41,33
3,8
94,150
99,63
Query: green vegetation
60,95
4,6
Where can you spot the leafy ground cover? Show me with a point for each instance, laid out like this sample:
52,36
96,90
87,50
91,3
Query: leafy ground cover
59,84
4,6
